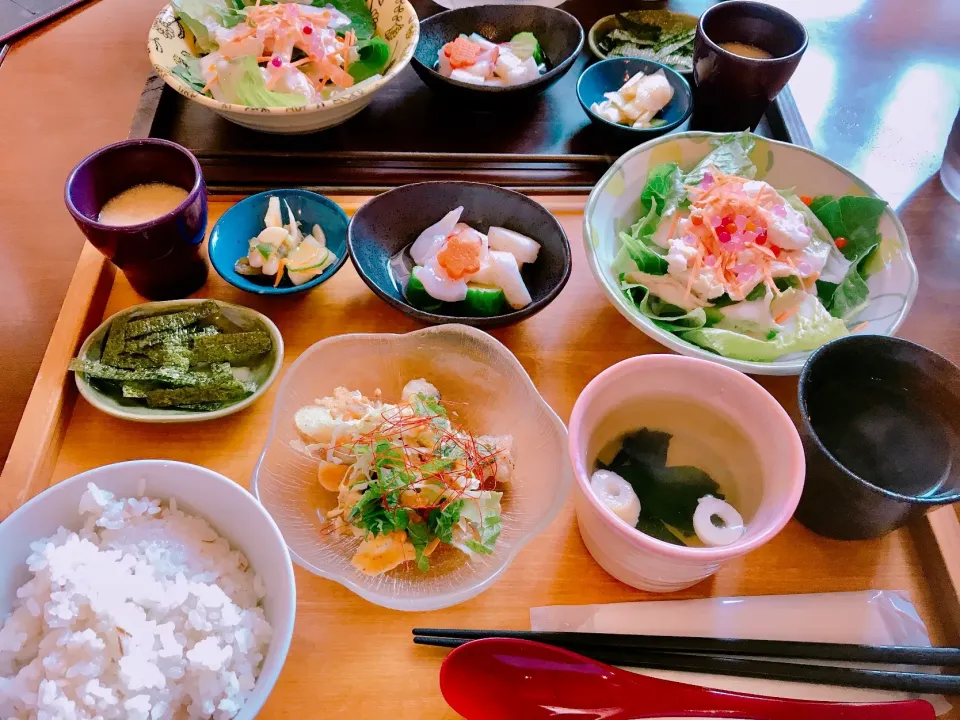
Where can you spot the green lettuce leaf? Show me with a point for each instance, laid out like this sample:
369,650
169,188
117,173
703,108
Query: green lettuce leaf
664,315
857,219
663,191
730,155
836,266
243,84
638,253
809,328
188,70
202,17
374,56
483,514
852,217
361,19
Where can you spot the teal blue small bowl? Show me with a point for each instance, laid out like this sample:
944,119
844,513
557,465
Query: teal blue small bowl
609,75
230,237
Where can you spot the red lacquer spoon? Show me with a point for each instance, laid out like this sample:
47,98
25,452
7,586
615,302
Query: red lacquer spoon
503,679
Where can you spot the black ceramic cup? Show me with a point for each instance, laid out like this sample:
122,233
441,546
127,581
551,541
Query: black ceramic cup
161,258
880,422
731,92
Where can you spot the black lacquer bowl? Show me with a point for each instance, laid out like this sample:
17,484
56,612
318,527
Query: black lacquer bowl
386,225
559,33
880,422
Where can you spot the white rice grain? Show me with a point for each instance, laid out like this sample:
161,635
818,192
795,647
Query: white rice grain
146,613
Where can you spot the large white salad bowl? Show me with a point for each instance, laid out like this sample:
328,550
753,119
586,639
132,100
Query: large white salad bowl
397,23
614,206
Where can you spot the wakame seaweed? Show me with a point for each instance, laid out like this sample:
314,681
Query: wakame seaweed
668,495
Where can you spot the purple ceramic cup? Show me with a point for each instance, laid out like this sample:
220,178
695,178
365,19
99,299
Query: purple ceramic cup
161,258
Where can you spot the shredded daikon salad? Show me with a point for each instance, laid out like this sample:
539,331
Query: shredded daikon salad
267,54
732,264
408,479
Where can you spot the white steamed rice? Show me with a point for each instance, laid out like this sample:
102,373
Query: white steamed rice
146,613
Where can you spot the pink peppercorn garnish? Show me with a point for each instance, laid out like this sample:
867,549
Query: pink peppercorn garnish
276,61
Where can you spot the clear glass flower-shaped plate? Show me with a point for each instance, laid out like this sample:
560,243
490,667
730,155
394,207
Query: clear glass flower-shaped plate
490,393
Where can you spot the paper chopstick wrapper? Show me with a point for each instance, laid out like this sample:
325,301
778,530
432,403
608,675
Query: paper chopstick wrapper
873,617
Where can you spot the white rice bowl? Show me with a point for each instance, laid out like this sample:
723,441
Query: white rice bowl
140,609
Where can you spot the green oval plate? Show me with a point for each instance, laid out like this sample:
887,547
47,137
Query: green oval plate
264,372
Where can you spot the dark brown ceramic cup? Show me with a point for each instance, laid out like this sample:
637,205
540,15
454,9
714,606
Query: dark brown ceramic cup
731,92
161,258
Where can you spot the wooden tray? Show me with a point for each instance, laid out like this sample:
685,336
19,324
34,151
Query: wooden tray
546,145
351,659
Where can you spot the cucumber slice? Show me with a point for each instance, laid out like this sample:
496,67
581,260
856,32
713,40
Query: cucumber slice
418,296
484,301
524,45
313,266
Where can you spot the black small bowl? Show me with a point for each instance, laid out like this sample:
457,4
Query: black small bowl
881,431
610,74
732,92
560,35
385,225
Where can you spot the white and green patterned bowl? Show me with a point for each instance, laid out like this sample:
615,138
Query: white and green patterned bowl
614,205
397,23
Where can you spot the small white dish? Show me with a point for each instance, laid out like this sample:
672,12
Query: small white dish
231,510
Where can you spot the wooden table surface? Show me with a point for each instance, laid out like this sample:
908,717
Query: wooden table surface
351,659
878,88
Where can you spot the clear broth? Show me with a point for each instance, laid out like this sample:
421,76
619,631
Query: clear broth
746,50
701,437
